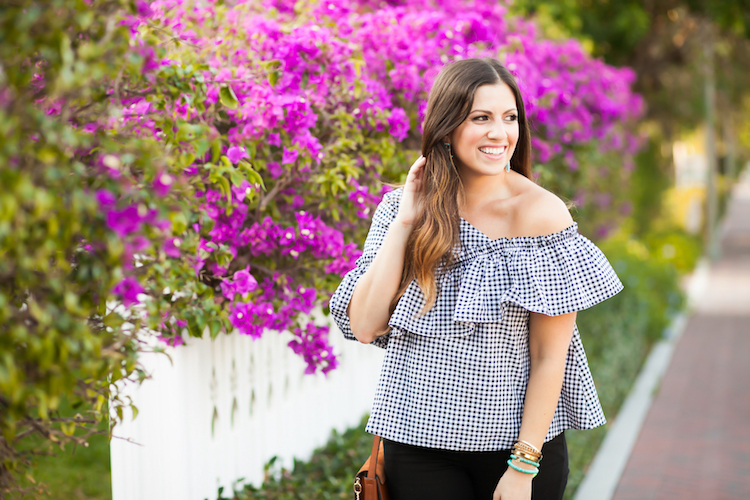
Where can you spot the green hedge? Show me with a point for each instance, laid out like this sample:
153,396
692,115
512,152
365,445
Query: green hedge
619,333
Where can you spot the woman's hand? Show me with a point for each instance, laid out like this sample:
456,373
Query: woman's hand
411,199
513,485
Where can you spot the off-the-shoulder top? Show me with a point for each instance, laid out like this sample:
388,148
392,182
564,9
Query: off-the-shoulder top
455,378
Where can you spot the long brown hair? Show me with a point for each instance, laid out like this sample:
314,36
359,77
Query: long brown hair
435,237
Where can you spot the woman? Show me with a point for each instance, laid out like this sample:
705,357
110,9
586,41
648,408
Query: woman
471,276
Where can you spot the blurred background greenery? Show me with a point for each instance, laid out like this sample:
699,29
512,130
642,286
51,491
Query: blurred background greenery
669,44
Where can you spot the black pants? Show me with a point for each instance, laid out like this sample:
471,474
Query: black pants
415,473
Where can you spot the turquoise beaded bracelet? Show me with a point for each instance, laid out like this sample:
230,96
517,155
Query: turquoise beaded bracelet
521,469
521,459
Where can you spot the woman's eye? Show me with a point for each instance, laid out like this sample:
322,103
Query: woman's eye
511,118
481,118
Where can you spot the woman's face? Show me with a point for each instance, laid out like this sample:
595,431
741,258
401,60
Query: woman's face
484,143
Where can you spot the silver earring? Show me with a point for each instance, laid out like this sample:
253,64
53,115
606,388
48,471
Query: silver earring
507,166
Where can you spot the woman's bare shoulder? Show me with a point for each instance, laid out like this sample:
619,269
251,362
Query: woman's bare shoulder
541,212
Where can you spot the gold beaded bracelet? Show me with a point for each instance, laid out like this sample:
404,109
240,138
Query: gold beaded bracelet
521,447
533,448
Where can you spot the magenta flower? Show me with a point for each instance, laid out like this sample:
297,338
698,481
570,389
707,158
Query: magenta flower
150,62
172,247
289,156
311,342
242,190
274,169
105,198
137,244
162,184
91,127
124,222
274,139
244,282
237,153
128,290
175,341
144,8
228,289
399,124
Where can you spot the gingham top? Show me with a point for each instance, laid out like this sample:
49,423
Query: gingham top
455,378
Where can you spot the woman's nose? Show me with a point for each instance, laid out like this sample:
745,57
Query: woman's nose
497,132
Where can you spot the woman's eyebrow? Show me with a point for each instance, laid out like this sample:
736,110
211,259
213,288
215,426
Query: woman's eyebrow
490,112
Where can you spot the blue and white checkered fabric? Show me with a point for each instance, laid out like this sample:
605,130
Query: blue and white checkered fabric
455,378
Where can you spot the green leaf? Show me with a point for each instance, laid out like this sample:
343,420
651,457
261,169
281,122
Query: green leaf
215,327
179,222
228,97
253,177
113,320
201,147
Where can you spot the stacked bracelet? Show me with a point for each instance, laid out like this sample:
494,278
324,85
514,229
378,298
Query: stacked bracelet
524,460
527,449
531,447
526,456
534,472
525,453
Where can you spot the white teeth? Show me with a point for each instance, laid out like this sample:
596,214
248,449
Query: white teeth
493,151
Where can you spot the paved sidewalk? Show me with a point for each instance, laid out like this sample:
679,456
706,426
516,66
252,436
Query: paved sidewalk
695,441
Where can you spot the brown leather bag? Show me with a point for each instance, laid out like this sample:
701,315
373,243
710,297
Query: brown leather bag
369,484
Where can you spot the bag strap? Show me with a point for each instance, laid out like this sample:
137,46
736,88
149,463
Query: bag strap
373,468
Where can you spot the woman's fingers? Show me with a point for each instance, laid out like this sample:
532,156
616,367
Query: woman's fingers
411,199
415,172
416,167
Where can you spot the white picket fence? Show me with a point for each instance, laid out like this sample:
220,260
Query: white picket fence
222,408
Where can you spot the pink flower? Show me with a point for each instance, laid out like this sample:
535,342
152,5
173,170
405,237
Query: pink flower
91,127
236,153
172,247
128,290
244,282
242,190
274,139
175,341
144,8
274,169
105,198
399,124
228,289
289,156
124,222
162,184
137,244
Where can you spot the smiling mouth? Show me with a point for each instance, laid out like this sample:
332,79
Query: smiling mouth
493,151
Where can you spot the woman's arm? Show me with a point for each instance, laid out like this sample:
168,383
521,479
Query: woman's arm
549,340
369,308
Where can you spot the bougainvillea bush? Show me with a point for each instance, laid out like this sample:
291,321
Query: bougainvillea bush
191,169
311,105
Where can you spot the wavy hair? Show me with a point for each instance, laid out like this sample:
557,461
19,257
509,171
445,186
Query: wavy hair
435,237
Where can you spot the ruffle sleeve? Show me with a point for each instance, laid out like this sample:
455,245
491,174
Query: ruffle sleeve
381,221
559,274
